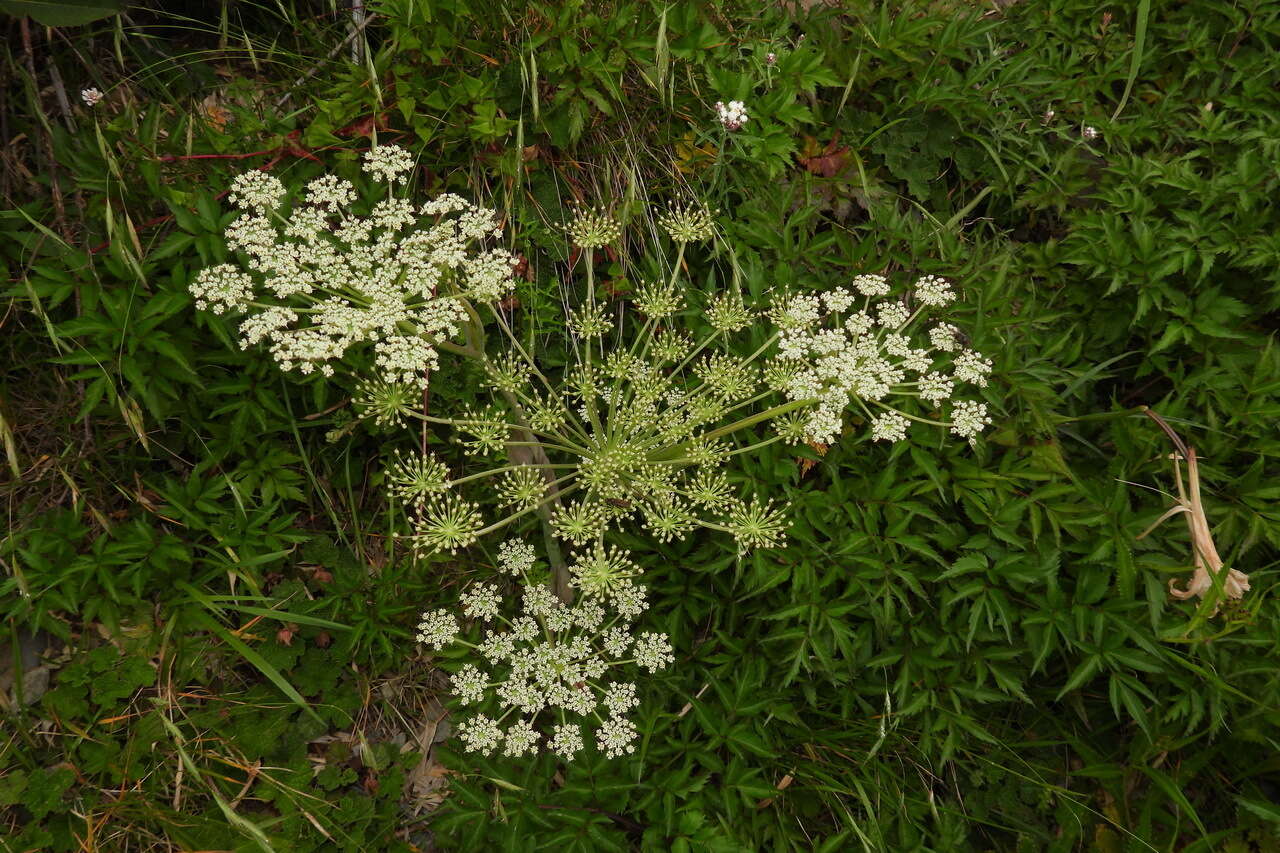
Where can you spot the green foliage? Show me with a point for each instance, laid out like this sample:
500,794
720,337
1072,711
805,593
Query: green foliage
960,648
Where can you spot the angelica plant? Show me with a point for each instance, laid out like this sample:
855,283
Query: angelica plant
544,670
658,397
643,425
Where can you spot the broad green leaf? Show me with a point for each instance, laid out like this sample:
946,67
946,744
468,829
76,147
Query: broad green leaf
62,13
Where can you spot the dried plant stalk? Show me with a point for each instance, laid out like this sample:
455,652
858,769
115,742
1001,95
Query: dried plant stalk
1204,553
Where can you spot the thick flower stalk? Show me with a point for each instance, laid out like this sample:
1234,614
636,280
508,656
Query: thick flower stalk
318,278
545,671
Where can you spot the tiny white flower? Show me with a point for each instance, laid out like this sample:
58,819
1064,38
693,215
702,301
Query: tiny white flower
91,96
481,602
733,115
615,737
889,426
566,740
438,629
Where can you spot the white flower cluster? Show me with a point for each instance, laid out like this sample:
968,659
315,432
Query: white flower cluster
549,669
842,347
323,279
733,116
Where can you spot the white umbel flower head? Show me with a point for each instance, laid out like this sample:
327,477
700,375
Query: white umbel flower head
256,191
566,740
553,664
480,734
836,350
616,737
321,280
889,426
389,164
438,629
222,288
481,602
520,739
516,557
468,684
934,292
972,367
968,418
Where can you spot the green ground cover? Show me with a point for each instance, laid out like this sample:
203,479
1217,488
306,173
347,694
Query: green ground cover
210,641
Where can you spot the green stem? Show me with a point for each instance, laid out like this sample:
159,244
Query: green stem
755,446
909,416
1099,416
767,414
505,468
498,525
456,422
